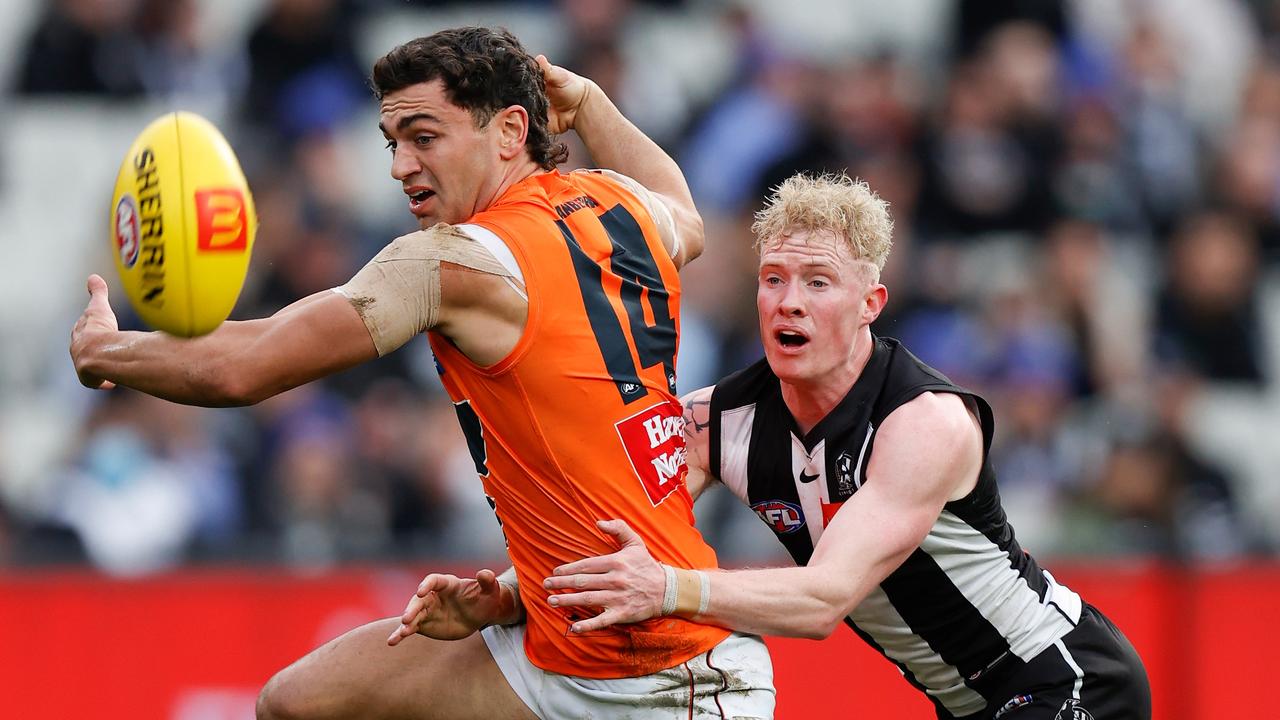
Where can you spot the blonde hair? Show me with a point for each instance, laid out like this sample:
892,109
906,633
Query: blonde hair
833,203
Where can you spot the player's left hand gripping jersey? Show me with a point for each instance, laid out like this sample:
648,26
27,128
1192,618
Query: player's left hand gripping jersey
580,422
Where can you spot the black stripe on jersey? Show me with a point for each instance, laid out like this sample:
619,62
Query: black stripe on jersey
935,609
981,510
634,263
906,672
769,457
754,380
614,348
713,445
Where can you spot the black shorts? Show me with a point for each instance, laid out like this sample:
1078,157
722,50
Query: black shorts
1092,673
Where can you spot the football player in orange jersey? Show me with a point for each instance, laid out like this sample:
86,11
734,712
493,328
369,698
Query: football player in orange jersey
552,304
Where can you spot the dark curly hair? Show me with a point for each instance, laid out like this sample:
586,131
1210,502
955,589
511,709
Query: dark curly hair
483,70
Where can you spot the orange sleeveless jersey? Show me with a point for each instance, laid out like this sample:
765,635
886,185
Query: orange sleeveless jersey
580,422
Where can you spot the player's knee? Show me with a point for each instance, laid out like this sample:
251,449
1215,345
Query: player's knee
281,700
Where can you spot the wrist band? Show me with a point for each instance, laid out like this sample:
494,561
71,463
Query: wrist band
690,584
688,592
514,588
670,593
509,580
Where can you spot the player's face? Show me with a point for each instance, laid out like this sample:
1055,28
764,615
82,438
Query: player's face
449,168
813,299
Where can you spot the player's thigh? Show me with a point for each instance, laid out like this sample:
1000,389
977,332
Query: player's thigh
359,675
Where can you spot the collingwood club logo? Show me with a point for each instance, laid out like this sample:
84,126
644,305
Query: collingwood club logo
844,474
1072,710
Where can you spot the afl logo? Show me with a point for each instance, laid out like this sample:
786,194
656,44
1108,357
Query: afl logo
126,231
784,517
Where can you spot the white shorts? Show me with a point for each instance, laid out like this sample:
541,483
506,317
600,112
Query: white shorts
731,681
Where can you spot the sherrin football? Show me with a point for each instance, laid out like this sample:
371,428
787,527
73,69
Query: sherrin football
182,225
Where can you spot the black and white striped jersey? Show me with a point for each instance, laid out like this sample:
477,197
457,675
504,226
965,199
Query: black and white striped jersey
965,599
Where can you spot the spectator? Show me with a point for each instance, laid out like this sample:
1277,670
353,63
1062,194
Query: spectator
83,47
1207,320
303,68
146,484
982,173
1154,496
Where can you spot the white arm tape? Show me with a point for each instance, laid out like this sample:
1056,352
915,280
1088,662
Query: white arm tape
398,292
508,578
501,253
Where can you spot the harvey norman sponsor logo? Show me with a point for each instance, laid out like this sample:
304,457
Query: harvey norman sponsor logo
654,441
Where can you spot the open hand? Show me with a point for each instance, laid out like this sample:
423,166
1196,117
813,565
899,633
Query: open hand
628,584
447,607
567,92
97,319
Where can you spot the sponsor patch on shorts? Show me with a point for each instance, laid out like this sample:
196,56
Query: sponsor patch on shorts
1013,704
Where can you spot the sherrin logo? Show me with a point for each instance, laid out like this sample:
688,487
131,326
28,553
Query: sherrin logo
182,223
126,231
784,517
220,220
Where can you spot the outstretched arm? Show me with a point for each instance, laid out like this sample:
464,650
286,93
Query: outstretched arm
927,452
239,363
427,279
579,104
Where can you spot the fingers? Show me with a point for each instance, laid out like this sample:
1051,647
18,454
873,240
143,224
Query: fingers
409,624
96,285
434,582
590,581
589,598
622,532
487,580
418,605
589,566
550,73
400,633
599,622
98,293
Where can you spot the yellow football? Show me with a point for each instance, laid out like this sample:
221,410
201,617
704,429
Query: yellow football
182,225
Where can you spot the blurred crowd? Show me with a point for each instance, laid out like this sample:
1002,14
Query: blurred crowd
1081,238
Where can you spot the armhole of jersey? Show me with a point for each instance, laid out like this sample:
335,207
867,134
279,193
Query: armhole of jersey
986,418
498,248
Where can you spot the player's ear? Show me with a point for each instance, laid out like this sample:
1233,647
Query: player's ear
512,124
874,301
